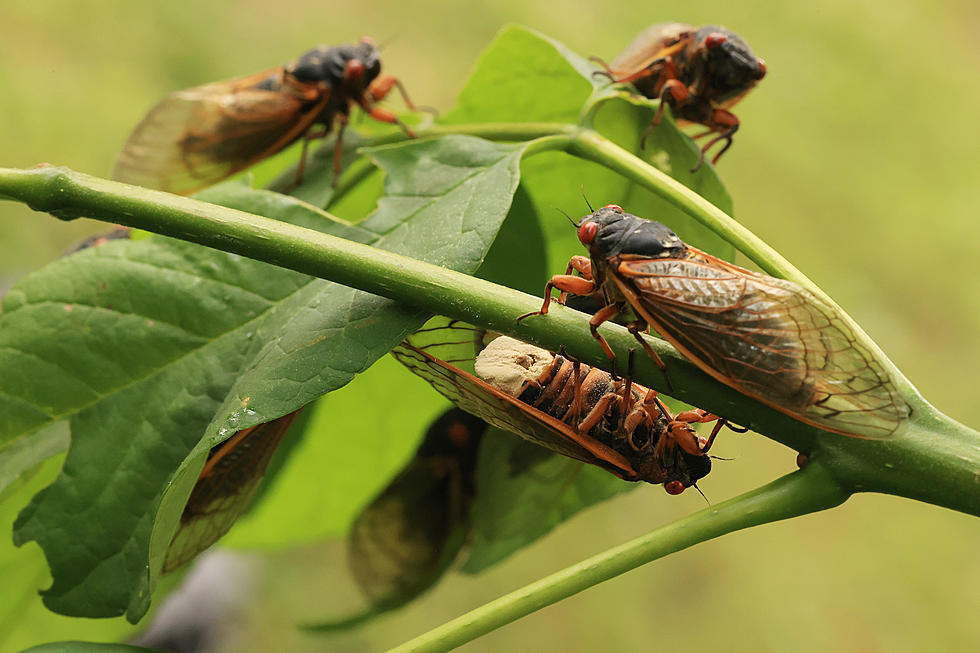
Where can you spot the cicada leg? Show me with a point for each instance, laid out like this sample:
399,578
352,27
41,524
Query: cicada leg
567,283
301,166
597,413
580,264
636,328
338,148
726,124
382,86
686,437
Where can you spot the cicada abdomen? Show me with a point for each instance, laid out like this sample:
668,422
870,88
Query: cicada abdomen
571,408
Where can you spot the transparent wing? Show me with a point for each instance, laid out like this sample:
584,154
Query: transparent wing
649,45
225,488
768,338
503,411
403,540
196,137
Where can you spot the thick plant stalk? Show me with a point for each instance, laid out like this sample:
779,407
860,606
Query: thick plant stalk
935,459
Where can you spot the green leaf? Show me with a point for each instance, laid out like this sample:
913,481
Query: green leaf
24,621
145,346
523,491
301,504
524,76
25,453
362,434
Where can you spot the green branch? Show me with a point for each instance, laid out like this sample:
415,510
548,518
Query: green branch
809,490
591,145
934,458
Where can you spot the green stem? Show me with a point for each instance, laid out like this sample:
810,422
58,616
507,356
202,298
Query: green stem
68,194
933,459
591,145
809,490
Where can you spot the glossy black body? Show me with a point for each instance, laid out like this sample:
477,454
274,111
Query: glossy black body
620,233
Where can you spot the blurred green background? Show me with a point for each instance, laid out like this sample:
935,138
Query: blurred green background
858,159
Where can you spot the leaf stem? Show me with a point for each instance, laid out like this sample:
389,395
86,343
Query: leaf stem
809,490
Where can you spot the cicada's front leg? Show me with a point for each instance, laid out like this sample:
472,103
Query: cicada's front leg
568,283
725,124
686,437
584,285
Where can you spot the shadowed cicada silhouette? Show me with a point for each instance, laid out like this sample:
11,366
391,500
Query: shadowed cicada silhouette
768,338
403,541
700,72
567,407
225,488
199,136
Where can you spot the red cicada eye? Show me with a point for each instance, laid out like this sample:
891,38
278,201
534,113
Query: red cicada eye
714,40
353,70
762,69
587,232
614,207
674,487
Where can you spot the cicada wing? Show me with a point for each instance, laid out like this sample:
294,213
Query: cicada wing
225,488
768,338
403,541
477,397
653,43
198,136
406,538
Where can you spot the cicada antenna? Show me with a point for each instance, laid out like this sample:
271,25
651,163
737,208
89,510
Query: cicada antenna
384,43
582,189
574,224
695,486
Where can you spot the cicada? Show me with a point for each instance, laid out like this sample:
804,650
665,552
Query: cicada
198,136
565,406
403,541
700,72
768,338
225,488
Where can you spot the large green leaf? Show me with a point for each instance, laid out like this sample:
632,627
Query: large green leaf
373,425
145,346
524,76
24,621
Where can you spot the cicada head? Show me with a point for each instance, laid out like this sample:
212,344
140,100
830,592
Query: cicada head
610,231
686,471
354,66
730,65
